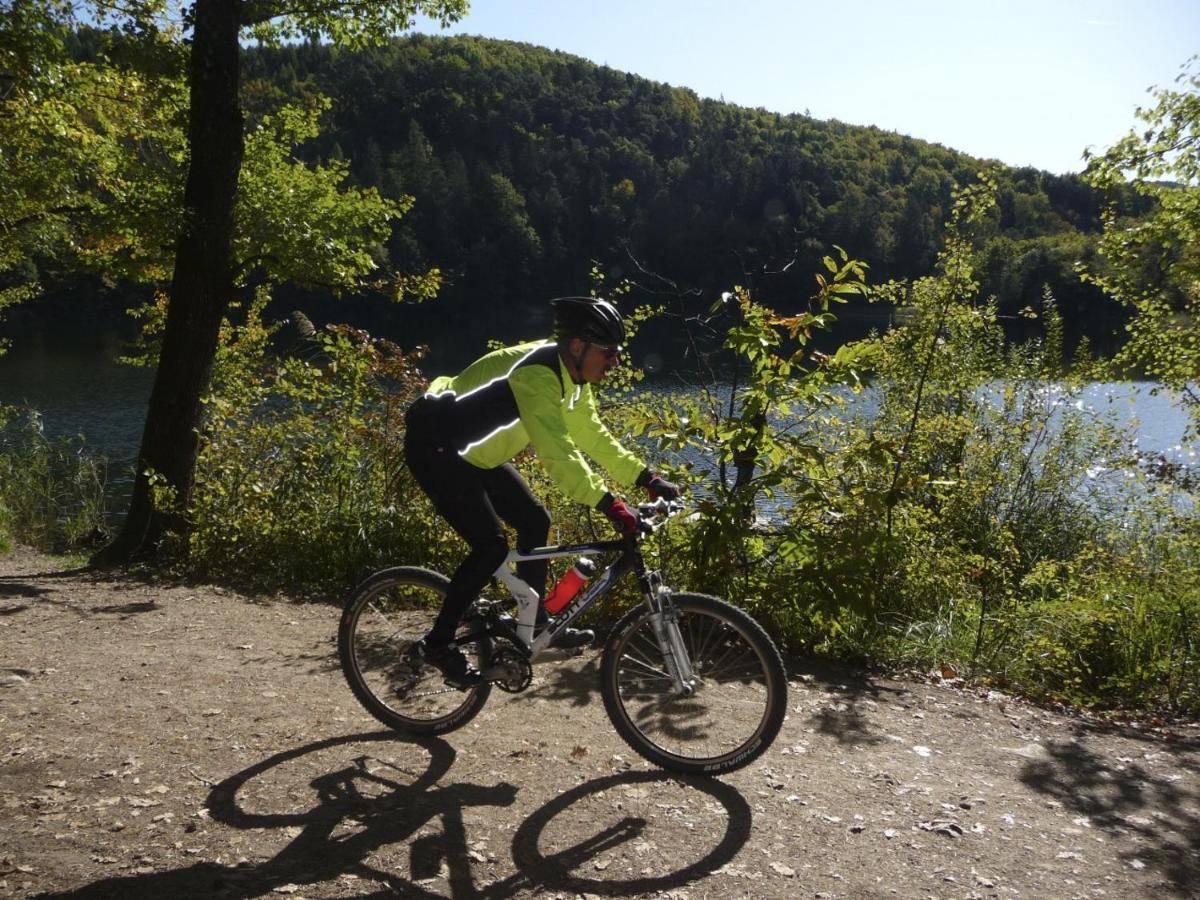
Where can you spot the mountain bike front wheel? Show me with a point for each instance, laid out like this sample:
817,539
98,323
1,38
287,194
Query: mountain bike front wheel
382,623
739,697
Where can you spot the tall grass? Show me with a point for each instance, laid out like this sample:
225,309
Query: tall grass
52,492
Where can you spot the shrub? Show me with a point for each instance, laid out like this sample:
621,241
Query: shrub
956,518
300,482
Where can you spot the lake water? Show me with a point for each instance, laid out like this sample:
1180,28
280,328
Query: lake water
81,391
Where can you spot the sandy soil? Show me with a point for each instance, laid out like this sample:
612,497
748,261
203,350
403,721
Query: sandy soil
183,741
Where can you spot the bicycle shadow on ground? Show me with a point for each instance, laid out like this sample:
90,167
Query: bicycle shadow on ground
371,818
1124,795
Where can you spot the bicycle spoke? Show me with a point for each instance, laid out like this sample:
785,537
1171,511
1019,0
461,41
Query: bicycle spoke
646,660
730,672
660,673
741,652
709,639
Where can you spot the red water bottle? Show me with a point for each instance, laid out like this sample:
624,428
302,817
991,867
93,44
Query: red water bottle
568,586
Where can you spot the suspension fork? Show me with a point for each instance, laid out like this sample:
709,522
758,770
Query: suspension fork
664,619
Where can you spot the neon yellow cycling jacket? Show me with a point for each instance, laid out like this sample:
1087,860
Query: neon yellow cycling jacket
523,395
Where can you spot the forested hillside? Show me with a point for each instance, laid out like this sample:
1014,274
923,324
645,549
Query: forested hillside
527,165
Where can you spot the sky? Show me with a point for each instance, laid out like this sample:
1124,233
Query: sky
1027,82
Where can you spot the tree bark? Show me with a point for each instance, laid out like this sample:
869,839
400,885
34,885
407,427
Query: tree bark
201,286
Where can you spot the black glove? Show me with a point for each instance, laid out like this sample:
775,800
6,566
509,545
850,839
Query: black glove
624,519
657,486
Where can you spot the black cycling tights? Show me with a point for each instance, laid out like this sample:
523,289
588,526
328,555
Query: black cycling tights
474,501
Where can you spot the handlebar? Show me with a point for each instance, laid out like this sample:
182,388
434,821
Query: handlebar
655,515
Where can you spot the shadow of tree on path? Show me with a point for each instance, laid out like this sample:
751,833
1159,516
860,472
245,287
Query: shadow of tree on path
125,610
577,685
20,589
1122,795
843,713
48,575
369,804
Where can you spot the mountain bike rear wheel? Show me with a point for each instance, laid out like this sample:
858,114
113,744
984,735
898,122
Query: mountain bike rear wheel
736,709
381,624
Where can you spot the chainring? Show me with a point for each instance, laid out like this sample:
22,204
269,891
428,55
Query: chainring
509,670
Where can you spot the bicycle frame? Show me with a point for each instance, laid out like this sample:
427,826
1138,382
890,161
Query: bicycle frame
663,618
528,600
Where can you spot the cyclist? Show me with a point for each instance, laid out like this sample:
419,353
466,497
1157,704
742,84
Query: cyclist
462,434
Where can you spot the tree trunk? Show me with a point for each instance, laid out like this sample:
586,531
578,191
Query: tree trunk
201,286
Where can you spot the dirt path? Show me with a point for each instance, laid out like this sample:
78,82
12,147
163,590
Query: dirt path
182,741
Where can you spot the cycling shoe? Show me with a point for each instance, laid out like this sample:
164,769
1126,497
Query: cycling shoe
456,669
571,638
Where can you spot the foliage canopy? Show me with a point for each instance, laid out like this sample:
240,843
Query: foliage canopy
1152,262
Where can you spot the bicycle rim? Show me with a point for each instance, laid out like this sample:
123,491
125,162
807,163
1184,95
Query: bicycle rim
736,709
380,627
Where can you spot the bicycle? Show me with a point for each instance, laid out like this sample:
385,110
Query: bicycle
678,669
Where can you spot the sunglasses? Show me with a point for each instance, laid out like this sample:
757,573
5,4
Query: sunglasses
607,352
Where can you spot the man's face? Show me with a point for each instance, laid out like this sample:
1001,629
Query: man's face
597,361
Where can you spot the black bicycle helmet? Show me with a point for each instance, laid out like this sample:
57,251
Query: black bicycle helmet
590,319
